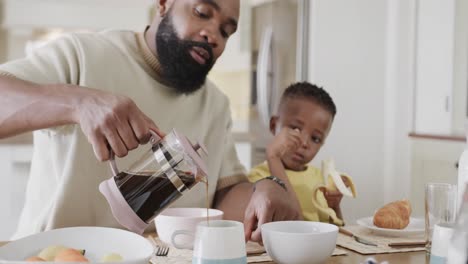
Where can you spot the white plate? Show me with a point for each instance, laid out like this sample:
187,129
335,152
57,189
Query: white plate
97,241
415,227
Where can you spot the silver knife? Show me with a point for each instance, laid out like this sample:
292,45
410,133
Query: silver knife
358,239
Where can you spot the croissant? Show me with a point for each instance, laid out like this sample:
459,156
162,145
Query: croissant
394,215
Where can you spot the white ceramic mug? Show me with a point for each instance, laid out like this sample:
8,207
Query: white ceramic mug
440,241
172,220
220,242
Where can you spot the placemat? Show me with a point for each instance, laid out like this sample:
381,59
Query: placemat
255,254
381,241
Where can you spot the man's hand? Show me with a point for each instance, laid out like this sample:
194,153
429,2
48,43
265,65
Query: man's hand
286,140
112,121
269,202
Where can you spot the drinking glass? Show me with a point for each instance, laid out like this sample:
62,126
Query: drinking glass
440,207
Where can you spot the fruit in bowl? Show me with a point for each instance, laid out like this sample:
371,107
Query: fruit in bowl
79,244
299,242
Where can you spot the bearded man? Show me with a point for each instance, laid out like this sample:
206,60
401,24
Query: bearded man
110,89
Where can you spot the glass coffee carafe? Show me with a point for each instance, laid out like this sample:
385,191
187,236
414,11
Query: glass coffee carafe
162,175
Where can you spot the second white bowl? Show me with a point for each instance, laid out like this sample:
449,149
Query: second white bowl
299,242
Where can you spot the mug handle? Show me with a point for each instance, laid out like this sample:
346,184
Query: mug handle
113,165
181,232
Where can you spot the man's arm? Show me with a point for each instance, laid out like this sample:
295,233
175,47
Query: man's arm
26,106
106,119
234,200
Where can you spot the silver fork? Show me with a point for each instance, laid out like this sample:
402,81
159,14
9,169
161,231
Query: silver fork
162,251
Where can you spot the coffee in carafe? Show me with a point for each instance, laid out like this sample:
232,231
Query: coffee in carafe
172,167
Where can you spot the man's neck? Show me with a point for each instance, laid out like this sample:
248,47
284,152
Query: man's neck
148,52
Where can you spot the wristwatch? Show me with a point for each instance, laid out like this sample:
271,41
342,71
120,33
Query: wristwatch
273,178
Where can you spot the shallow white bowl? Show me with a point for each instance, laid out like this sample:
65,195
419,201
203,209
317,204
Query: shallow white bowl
176,219
97,241
299,242
415,227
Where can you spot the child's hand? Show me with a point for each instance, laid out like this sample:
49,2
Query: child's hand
333,199
285,141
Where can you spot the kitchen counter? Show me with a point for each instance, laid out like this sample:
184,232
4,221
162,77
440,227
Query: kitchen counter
459,138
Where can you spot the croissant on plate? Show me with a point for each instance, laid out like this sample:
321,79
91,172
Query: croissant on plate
395,215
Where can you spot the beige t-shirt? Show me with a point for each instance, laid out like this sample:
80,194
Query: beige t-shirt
63,186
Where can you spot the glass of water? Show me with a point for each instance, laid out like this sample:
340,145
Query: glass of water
440,207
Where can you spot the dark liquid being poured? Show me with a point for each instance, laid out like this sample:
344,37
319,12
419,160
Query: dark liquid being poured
149,194
207,202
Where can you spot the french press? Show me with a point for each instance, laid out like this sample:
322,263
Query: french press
163,174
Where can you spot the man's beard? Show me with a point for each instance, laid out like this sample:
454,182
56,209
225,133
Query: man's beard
179,68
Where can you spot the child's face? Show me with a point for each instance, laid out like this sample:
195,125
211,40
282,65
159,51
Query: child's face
313,121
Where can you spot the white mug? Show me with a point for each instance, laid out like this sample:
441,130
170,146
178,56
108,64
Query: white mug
440,241
219,241
173,220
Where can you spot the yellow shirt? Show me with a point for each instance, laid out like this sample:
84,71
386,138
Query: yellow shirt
303,183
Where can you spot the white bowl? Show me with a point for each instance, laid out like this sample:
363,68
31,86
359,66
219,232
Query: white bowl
299,242
187,219
97,241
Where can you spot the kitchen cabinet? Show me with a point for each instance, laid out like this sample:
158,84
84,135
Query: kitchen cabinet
15,161
82,14
434,66
244,149
441,66
433,160
460,75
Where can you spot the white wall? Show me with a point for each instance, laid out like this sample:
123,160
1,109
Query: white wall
399,97
361,54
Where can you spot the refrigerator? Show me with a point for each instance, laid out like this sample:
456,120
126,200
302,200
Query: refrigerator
279,56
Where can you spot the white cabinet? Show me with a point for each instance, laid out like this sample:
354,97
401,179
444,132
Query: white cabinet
441,66
460,82
244,153
435,66
15,162
432,161
79,14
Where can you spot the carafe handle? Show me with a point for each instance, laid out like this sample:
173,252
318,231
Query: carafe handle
199,146
113,165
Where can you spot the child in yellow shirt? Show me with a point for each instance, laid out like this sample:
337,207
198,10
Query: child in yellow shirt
304,119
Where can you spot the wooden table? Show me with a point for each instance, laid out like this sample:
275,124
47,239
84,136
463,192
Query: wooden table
419,257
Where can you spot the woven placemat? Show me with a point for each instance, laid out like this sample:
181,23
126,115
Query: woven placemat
255,254
381,241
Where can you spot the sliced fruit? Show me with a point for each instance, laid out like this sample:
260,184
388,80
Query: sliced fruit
50,252
113,257
70,255
35,259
